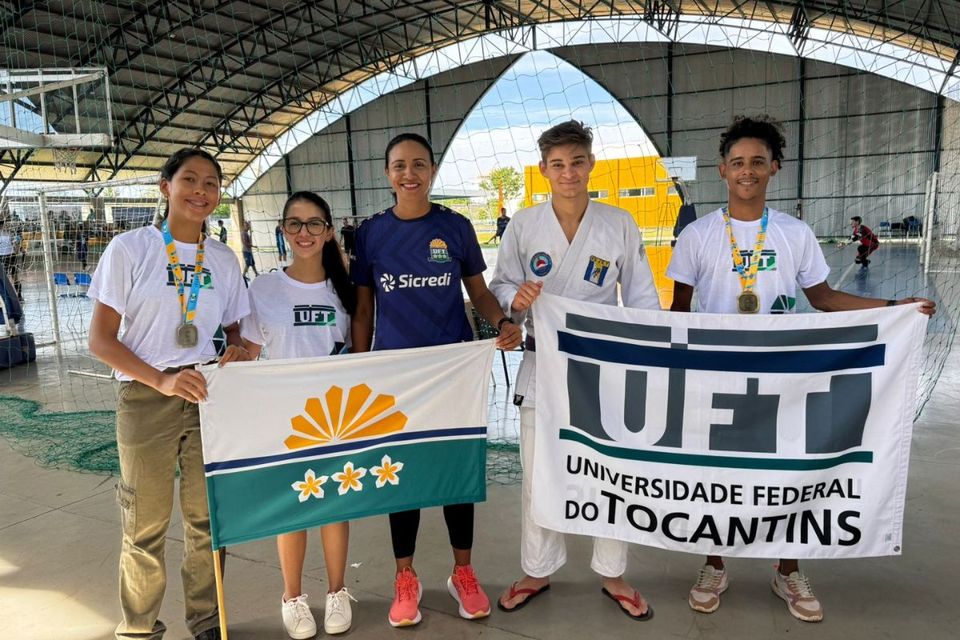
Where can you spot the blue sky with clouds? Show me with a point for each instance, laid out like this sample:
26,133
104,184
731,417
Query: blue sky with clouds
537,92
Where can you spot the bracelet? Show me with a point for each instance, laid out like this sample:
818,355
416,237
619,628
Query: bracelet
891,303
502,320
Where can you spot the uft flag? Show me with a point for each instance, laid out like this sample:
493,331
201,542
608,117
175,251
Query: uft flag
781,436
292,444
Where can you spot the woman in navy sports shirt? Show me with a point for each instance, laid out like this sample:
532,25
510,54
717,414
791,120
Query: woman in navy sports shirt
410,262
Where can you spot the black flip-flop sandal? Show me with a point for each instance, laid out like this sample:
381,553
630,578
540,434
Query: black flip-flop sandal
635,601
533,593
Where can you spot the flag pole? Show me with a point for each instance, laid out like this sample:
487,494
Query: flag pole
218,572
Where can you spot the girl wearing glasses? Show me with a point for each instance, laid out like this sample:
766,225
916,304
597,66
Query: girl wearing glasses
304,311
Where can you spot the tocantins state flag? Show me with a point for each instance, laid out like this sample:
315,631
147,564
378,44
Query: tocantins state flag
293,444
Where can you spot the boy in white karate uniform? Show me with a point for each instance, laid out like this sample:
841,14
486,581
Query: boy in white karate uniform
579,249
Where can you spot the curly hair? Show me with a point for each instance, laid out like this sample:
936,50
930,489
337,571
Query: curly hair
762,127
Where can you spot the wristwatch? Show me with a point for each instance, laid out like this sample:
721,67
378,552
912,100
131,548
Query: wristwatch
504,319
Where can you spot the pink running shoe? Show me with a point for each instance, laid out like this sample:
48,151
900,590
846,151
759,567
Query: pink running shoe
468,593
405,610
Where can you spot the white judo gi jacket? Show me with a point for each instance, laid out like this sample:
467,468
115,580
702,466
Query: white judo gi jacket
607,250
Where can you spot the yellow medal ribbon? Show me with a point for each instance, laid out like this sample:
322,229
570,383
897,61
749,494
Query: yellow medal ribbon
748,276
188,306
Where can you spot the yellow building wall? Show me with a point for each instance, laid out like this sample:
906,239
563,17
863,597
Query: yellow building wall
655,214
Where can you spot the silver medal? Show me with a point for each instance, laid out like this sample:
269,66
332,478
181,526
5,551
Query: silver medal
187,336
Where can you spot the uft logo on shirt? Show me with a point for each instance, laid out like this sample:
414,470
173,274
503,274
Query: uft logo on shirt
410,281
206,280
438,251
314,315
768,260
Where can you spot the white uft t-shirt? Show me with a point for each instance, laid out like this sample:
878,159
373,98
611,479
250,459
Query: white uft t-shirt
134,278
294,319
791,257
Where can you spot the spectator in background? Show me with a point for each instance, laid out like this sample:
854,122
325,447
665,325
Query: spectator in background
348,233
81,245
868,241
686,215
246,242
502,223
8,254
221,232
281,243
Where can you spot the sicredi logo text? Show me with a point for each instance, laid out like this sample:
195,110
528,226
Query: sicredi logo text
409,281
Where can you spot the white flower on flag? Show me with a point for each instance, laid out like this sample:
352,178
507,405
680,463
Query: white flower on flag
310,486
387,471
349,478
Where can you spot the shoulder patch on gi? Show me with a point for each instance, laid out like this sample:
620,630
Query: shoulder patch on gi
541,263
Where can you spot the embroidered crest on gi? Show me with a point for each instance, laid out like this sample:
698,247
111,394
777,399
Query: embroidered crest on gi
596,270
541,263
438,251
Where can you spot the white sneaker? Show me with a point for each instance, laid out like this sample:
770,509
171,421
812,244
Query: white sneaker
337,616
705,594
297,618
796,591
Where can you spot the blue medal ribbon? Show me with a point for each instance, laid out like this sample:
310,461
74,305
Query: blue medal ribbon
188,306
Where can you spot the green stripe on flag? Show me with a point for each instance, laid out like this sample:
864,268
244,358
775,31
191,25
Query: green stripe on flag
730,462
260,503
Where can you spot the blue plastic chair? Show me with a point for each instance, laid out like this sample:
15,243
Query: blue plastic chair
61,280
82,279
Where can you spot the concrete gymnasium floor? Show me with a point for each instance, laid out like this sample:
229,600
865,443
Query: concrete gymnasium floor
60,538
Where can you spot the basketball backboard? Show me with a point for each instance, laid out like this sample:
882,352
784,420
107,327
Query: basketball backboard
55,109
679,169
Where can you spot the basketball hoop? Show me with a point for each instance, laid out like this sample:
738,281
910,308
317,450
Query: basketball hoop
65,159
679,169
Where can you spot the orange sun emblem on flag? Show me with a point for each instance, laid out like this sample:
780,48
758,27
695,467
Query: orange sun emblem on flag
336,418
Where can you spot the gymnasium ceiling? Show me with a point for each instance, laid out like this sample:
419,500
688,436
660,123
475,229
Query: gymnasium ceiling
233,77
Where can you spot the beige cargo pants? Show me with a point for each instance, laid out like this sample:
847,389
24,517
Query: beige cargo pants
155,434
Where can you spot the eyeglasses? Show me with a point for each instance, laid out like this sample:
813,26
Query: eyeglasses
315,227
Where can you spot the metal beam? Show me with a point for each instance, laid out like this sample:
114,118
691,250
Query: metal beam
329,65
359,43
350,169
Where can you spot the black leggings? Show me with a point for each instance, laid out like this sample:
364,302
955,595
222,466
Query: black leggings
405,524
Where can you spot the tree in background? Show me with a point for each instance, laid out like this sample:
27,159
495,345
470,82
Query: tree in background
223,210
504,183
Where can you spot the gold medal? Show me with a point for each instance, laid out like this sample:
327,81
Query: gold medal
748,302
187,336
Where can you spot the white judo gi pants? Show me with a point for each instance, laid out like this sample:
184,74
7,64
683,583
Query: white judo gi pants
544,551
